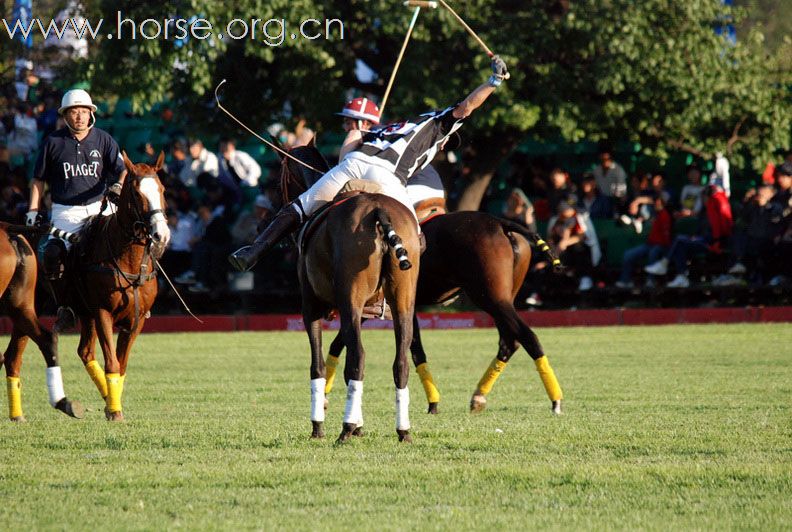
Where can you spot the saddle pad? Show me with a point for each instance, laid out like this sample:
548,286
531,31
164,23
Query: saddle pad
318,217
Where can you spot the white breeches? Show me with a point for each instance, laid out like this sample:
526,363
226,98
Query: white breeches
71,218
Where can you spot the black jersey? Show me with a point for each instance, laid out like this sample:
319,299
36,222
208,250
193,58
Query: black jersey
407,147
78,172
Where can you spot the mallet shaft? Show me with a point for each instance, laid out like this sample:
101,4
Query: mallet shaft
398,60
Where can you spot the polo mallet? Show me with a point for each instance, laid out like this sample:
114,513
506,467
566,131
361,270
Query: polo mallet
418,5
421,3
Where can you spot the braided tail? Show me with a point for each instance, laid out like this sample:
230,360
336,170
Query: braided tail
393,240
535,240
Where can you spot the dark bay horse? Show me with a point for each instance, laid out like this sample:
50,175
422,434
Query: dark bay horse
363,244
114,272
487,258
18,274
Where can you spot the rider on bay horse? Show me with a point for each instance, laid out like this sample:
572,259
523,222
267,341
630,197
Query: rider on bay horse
388,156
80,164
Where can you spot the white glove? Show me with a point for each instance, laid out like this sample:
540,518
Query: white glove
32,218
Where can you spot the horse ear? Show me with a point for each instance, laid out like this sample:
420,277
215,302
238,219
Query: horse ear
160,162
127,162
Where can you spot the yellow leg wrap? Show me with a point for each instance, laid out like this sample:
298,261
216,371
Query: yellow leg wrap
97,376
431,391
548,379
123,380
330,372
490,376
114,388
14,387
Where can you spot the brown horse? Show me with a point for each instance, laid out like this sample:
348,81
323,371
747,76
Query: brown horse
364,244
487,258
113,268
18,273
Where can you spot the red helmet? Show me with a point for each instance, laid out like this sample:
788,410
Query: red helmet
361,109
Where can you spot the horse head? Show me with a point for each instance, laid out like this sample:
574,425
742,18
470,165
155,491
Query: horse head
295,177
143,202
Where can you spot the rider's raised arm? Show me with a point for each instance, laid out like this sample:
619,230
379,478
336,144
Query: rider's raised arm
482,92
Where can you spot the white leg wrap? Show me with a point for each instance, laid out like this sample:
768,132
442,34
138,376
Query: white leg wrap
403,408
55,385
354,403
317,399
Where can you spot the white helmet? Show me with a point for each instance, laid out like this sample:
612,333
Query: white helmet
76,98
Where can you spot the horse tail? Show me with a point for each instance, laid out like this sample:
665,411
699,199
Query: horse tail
39,230
393,240
534,240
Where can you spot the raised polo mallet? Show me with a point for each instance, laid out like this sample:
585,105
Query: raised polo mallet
420,3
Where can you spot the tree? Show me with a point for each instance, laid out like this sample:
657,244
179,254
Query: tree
652,72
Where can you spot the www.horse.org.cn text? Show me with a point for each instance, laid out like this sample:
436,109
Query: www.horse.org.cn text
271,32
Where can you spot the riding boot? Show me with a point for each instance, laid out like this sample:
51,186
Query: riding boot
287,220
53,264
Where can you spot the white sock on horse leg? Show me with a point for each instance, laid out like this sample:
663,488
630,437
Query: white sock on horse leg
403,408
317,399
353,413
55,385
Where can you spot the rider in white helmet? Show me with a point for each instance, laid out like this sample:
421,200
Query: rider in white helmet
80,164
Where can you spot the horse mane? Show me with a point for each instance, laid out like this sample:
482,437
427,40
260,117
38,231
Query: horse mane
295,176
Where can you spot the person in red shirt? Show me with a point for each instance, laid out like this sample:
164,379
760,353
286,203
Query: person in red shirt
718,225
657,243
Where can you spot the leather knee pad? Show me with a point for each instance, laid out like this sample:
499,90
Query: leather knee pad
53,258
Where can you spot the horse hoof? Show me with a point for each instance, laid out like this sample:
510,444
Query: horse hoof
404,436
358,432
19,419
318,429
556,407
74,409
114,416
432,408
346,432
478,403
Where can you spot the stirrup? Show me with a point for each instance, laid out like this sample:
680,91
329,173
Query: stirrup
66,321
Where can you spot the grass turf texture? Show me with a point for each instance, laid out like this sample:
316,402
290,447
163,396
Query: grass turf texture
664,427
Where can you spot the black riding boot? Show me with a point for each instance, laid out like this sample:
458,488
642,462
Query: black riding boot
53,264
286,221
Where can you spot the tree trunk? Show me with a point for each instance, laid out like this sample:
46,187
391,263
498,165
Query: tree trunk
483,157
474,191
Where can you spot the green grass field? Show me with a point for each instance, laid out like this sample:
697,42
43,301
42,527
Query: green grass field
664,428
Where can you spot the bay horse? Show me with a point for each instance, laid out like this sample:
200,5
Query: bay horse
113,268
18,274
361,245
486,257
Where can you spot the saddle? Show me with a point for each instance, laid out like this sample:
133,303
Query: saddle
430,208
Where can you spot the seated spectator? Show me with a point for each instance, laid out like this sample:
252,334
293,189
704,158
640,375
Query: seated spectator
23,140
781,256
755,230
610,176
592,201
209,253
641,208
201,161
657,244
249,223
573,238
561,189
519,209
177,257
717,225
690,199
239,165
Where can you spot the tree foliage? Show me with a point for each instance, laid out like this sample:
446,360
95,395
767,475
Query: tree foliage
651,72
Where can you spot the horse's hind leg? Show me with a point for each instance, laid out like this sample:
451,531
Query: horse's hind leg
13,366
87,353
353,369
507,345
312,319
422,368
29,324
333,357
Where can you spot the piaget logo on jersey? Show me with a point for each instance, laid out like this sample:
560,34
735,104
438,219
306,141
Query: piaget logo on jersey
80,170
95,153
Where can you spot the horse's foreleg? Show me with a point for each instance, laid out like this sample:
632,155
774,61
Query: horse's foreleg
333,357
123,350
13,366
422,368
87,353
353,371
29,324
312,319
104,329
